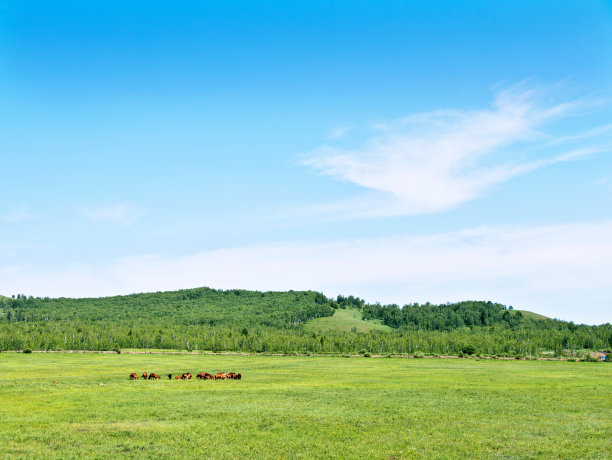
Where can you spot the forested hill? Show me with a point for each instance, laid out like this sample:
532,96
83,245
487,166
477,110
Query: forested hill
447,317
240,320
200,306
240,308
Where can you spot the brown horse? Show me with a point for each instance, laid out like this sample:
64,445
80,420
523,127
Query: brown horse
133,376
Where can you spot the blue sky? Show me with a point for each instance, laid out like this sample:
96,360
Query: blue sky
398,151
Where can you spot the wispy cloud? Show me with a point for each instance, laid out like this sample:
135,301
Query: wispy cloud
585,135
124,213
19,215
551,269
434,161
339,132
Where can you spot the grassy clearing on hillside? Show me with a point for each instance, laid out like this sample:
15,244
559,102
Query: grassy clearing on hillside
345,320
303,407
532,315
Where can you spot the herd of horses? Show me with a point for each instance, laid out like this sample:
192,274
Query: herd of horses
189,375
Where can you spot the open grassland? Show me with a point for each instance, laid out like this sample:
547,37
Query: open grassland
303,407
348,319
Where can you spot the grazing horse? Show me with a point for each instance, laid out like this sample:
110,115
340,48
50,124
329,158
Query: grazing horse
204,376
179,377
221,376
169,376
232,376
133,376
144,375
188,375
154,376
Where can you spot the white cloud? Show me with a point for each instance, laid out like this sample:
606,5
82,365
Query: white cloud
122,213
435,161
558,270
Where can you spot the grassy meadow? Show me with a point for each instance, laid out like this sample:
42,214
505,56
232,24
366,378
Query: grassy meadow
59,405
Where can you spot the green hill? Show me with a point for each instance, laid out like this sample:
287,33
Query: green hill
234,308
348,319
282,322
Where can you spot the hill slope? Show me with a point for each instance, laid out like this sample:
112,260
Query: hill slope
532,315
349,319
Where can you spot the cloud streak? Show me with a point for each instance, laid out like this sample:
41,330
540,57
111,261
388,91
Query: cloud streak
124,213
19,215
432,162
339,132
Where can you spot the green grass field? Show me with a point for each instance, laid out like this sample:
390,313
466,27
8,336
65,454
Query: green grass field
345,320
303,407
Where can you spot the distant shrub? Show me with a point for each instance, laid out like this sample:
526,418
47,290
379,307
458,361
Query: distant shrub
389,355
518,356
419,354
362,351
27,350
590,359
118,350
469,350
367,355
572,360
461,354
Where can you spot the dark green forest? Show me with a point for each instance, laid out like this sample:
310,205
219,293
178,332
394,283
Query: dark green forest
273,322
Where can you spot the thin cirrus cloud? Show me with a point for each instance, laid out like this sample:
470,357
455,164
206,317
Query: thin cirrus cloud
19,215
124,213
551,269
339,132
435,161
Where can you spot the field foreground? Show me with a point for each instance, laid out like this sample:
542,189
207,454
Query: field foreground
75,405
